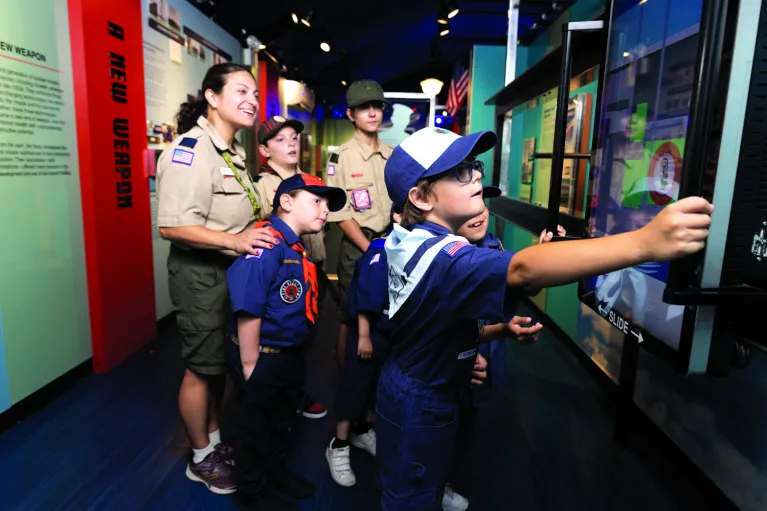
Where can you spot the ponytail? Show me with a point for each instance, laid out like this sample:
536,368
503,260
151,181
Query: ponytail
190,111
215,79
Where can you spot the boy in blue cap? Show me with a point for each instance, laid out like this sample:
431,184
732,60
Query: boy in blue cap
367,346
273,296
439,284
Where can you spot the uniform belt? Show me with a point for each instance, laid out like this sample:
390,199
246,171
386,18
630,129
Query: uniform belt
370,234
269,349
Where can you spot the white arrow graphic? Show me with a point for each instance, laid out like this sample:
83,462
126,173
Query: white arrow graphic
601,310
638,336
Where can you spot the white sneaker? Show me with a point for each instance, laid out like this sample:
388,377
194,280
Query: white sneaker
340,465
452,501
366,441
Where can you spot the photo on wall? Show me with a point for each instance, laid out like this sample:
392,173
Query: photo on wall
528,163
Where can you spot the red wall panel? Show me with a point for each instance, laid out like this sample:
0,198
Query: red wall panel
108,73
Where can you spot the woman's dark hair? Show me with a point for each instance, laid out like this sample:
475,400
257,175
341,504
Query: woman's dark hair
215,79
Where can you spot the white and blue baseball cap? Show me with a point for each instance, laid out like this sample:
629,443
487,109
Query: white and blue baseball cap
429,152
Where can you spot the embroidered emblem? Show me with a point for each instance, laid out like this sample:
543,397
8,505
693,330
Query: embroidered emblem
291,291
466,354
183,157
375,259
331,170
452,248
257,254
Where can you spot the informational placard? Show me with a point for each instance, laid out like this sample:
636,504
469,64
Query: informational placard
43,293
180,45
645,114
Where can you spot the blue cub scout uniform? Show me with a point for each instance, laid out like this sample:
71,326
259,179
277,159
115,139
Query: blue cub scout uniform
368,294
271,285
493,351
439,284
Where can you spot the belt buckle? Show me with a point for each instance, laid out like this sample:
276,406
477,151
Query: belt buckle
269,349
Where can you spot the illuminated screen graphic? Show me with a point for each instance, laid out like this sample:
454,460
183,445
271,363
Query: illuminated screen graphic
645,114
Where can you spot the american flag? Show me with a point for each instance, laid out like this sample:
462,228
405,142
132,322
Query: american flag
459,87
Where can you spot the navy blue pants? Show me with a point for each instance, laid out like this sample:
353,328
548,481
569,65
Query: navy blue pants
359,378
416,427
266,407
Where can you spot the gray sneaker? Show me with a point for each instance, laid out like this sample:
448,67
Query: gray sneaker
214,472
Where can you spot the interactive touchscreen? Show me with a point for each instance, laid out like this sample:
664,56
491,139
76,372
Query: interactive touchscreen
645,114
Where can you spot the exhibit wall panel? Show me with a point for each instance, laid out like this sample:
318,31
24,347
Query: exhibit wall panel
180,44
44,328
486,78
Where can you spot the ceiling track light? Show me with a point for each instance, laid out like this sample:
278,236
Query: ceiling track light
294,17
444,30
326,44
307,20
452,9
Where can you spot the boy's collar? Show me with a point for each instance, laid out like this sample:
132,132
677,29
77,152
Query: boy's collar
432,228
279,224
281,171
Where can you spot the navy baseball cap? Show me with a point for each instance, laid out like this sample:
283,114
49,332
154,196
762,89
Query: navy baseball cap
429,152
310,183
491,192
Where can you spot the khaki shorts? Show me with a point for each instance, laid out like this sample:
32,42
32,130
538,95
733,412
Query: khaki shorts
197,281
347,258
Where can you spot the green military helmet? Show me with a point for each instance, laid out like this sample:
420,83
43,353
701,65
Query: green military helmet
364,91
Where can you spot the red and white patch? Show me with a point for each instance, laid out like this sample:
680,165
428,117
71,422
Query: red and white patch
291,290
357,175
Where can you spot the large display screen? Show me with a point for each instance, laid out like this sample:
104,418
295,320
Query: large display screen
645,114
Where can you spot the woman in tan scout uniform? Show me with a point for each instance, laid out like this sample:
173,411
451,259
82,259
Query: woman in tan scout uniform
278,145
207,206
358,168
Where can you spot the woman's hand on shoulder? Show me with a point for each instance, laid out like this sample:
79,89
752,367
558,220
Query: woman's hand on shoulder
250,239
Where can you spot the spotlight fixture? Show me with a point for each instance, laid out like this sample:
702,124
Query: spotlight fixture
294,16
444,113
325,46
452,9
442,19
253,42
343,82
444,30
431,86
306,21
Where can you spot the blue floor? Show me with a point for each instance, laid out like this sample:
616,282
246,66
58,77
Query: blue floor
115,442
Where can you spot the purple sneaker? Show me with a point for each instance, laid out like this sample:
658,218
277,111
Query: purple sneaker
214,472
226,451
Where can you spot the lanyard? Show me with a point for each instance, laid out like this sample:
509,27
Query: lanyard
251,196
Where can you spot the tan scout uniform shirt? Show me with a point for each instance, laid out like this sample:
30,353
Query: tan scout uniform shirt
359,167
197,187
266,186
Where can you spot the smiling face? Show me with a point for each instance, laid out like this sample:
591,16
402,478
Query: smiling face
282,148
475,229
237,103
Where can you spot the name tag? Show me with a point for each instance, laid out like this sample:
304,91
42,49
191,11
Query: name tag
226,171
467,354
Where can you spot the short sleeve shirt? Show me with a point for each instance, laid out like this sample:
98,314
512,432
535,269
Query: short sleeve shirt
266,184
195,186
368,292
359,170
270,285
436,329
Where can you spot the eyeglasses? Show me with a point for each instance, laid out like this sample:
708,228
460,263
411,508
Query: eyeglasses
464,172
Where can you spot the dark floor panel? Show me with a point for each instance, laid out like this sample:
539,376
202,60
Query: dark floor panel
114,442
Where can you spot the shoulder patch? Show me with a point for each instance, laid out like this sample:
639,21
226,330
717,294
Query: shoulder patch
188,142
376,258
333,157
452,248
258,253
182,156
257,178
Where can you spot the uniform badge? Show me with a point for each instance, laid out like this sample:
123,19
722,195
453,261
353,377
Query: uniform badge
226,172
466,354
257,254
183,157
331,170
291,291
452,248
361,199
375,259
